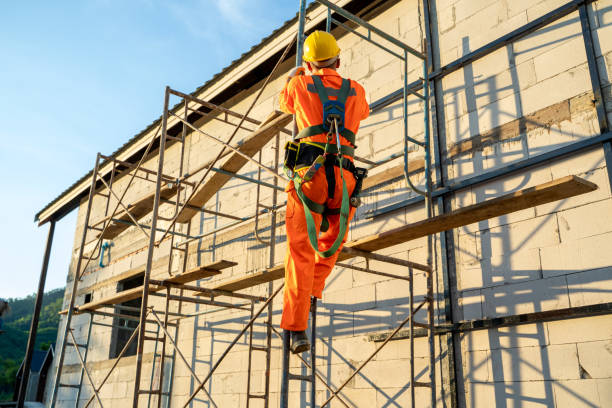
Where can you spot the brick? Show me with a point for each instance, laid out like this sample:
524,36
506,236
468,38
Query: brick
535,363
400,397
585,221
580,330
562,58
590,287
558,88
477,366
446,19
527,335
575,393
560,259
400,349
527,297
470,304
506,185
604,389
596,358
594,251
603,44
468,8
543,40
470,277
397,292
532,233
532,394
354,299
519,266
562,362
587,165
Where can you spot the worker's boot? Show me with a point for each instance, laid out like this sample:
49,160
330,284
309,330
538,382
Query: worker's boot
299,342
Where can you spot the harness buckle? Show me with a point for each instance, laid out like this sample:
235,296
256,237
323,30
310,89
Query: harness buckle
333,112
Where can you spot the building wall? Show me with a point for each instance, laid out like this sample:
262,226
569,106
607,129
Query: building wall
522,100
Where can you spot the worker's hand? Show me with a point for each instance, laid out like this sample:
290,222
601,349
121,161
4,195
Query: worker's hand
295,72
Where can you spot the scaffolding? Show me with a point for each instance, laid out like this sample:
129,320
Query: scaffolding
188,192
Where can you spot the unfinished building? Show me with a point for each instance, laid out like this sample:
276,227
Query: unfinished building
477,272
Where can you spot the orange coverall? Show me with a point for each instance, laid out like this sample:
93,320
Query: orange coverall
305,270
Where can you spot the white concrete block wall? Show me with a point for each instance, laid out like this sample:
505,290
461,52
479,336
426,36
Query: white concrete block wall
544,258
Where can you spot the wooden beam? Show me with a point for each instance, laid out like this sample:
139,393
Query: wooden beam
134,293
138,209
234,162
555,190
201,272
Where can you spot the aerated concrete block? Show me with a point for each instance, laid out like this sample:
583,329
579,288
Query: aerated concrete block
596,359
555,89
580,330
590,287
575,393
471,304
585,221
527,297
528,335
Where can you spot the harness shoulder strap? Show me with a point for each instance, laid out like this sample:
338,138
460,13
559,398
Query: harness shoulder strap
345,89
321,91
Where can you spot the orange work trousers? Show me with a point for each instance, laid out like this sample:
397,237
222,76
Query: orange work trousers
305,270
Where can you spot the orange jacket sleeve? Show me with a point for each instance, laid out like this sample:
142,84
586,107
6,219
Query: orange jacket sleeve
365,108
287,97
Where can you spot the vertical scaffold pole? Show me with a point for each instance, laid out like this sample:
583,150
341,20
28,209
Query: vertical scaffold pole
428,201
313,351
411,334
75,284
299,50
271,262
284,397
27,362
147,275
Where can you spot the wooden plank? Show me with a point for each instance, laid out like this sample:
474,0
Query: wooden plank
555,190
201,272
234,162
158,266
194,274
138,209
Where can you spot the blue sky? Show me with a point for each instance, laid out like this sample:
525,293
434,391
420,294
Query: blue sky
78,77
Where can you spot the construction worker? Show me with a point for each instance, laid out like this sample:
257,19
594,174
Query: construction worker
328,110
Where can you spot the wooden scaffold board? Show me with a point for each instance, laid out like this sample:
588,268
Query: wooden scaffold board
555,190
233,162
192,275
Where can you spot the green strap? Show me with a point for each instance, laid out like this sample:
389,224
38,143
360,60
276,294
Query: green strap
311,206
310,222
331,148
318,129
321,91
344,90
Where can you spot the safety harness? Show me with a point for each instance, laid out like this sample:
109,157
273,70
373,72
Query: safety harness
314,155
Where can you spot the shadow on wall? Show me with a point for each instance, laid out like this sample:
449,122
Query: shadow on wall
511,370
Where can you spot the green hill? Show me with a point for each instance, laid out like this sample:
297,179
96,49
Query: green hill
16,328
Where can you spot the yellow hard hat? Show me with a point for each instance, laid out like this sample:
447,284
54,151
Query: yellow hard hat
320,46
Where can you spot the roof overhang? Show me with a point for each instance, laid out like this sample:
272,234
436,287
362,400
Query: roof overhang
212,91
